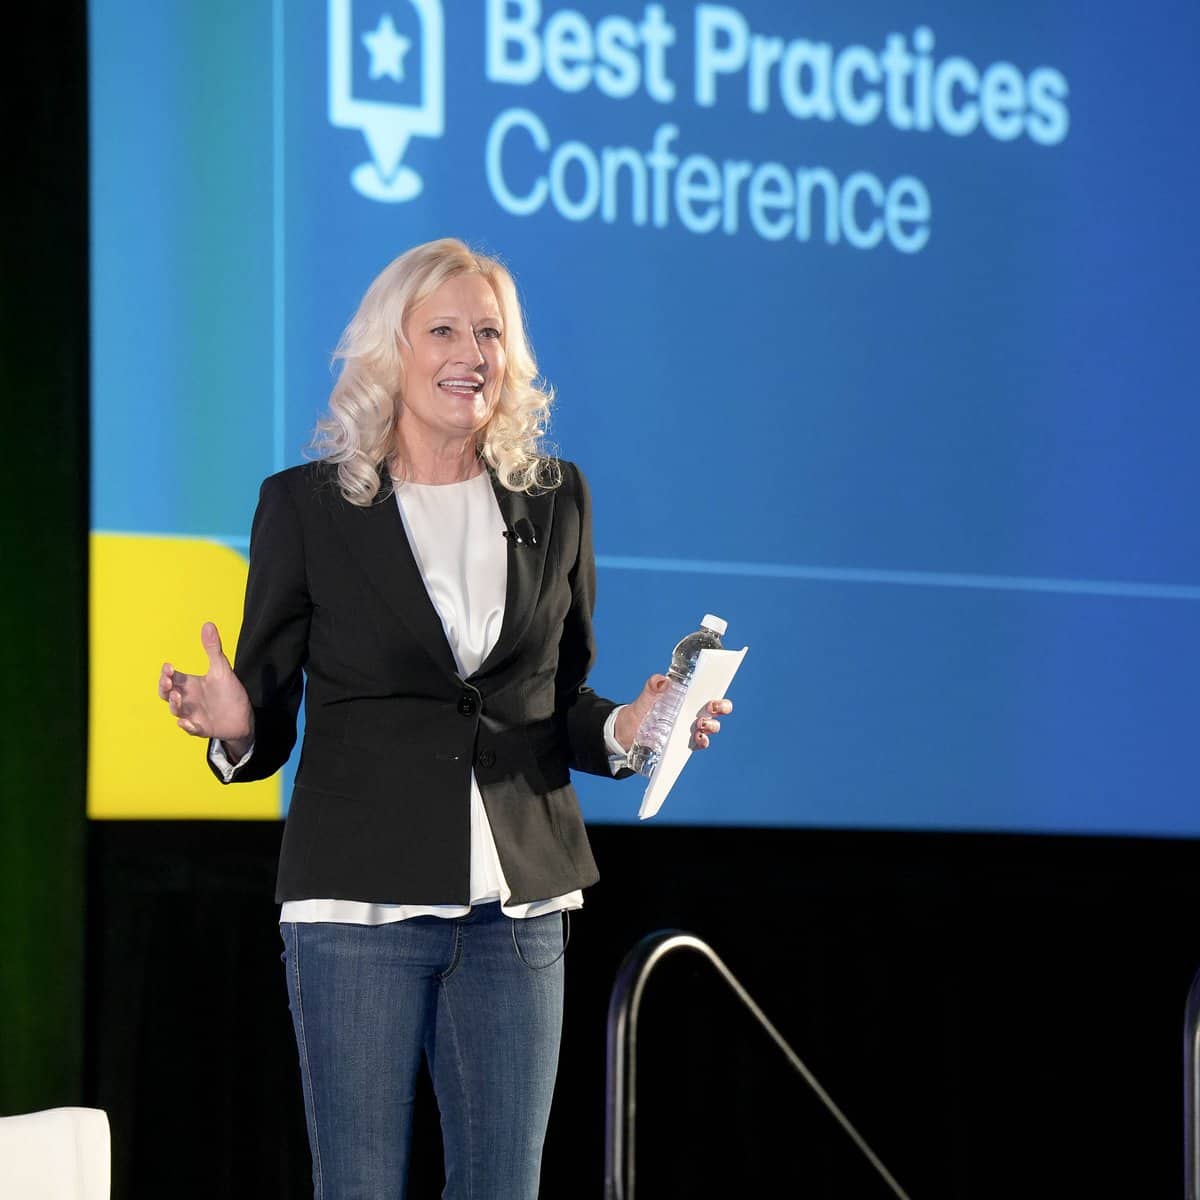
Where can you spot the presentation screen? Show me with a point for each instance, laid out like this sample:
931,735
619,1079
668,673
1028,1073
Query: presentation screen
872,326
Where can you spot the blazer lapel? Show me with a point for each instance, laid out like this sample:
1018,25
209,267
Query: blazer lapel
376,537
526,565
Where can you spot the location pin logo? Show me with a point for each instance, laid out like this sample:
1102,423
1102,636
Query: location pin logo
358,100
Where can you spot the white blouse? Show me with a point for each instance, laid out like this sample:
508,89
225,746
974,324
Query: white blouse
457,537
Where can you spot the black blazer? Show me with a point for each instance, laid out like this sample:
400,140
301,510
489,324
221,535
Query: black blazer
381,806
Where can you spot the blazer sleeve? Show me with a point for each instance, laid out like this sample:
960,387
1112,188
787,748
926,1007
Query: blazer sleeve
583,711
273,644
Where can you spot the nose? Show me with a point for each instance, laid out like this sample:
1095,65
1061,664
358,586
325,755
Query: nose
469,353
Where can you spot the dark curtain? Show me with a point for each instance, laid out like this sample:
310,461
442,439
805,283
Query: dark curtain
43,514
999,1015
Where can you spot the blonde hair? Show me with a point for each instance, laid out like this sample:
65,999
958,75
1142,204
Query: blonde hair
357,432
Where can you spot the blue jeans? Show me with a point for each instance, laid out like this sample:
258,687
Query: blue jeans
480,996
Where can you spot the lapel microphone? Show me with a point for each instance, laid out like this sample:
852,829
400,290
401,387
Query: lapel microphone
522,533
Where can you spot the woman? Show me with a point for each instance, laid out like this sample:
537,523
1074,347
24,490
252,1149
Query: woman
431,578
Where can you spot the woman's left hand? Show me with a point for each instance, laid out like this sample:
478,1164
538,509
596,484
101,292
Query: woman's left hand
706,724
703,727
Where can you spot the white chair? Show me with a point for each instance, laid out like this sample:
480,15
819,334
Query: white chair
58,1154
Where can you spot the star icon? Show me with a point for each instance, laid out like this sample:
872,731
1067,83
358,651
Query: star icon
387,48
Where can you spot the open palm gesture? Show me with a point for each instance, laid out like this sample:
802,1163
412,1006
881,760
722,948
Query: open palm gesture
214,705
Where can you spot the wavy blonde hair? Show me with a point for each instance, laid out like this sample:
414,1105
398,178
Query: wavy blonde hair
357,434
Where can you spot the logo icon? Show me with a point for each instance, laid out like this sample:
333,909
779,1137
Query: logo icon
387,125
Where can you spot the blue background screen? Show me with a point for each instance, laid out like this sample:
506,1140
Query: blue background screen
872,327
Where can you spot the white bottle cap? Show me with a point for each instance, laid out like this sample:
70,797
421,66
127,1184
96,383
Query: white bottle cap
716,624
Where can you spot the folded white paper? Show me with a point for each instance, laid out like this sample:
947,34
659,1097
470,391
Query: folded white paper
710,680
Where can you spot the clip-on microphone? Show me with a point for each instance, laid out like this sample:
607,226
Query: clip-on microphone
522,533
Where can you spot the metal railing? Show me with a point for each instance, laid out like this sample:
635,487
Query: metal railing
624,1003
1191,1092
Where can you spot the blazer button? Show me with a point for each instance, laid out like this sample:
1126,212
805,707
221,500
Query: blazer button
487,758
467,704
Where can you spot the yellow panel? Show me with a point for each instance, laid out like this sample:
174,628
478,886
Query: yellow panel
149,597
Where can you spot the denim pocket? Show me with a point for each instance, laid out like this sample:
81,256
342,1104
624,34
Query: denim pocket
539,941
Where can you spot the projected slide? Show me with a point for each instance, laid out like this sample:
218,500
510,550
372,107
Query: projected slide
871,325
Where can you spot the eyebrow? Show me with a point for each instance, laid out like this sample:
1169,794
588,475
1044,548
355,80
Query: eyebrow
496,318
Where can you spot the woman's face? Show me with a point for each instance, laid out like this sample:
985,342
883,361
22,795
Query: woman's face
454,360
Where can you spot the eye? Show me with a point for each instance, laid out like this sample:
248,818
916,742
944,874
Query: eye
489,331
440,330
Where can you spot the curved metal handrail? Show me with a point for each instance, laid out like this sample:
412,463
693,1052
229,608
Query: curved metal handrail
624,1003
1191,1092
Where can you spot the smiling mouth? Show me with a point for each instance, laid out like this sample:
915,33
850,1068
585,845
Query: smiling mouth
461,387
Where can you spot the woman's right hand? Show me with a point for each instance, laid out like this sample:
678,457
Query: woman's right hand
210,706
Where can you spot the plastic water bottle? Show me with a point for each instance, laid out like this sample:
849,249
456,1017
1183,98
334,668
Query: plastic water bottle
657,724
